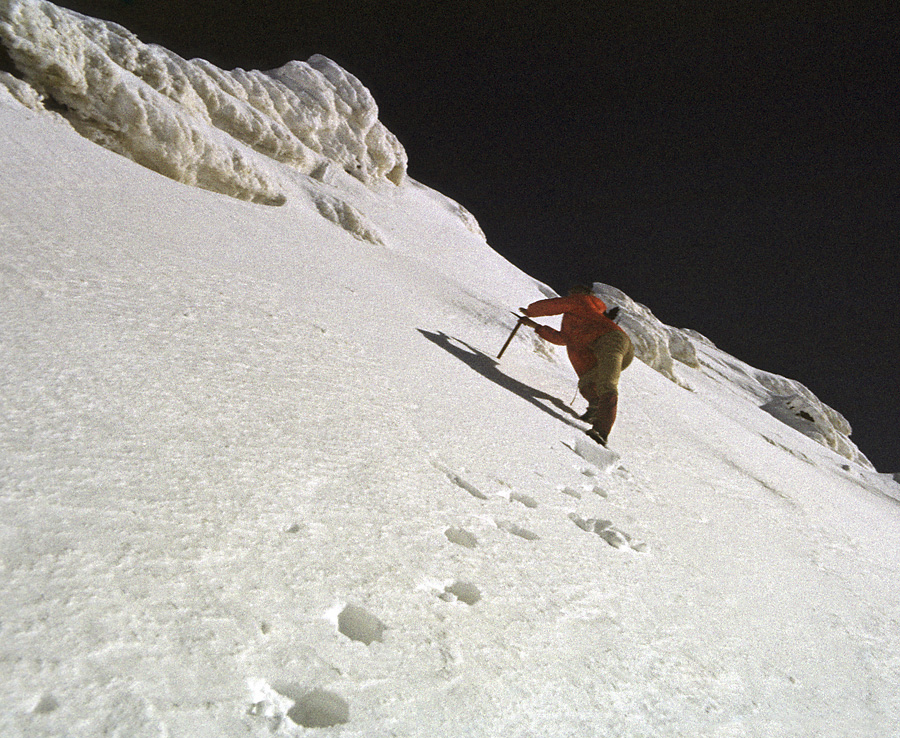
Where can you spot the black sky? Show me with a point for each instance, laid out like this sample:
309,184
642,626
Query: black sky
733,166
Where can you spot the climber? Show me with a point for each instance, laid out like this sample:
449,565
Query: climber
598,349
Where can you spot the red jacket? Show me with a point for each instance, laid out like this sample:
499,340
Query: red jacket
583,323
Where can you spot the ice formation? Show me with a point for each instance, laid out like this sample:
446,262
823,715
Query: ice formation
663,347
191,121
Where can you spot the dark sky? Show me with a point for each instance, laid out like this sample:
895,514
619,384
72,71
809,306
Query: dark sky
736,170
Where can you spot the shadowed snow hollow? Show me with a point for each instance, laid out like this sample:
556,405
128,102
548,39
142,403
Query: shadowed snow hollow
191,121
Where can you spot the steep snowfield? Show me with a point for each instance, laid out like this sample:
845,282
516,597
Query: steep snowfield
261,475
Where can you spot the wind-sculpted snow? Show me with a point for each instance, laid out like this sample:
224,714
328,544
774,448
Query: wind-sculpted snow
347,217
663,347
191,121
656,344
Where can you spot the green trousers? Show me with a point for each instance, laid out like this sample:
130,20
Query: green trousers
600,385
614,353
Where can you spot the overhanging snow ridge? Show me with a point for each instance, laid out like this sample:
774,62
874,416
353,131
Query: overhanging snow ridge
223,131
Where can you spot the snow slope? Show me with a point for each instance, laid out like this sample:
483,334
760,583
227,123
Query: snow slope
262,476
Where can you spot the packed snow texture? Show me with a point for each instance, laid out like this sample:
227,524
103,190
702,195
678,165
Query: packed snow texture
261,475
192,121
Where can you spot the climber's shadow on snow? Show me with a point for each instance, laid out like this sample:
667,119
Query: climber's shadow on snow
487,367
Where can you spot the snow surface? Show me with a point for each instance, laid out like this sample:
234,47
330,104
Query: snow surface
262,476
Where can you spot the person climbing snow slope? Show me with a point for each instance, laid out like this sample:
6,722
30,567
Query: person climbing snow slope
598,349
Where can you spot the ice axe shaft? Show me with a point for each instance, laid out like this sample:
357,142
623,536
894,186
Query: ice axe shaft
521,319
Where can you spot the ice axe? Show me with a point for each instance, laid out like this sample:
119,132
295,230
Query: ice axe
521,319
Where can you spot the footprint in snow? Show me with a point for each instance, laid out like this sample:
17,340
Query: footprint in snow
316,708
600,457
517,530
609,533
358,624
461,537
319,709
595,488
529,502
461,591
47,703
463,484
